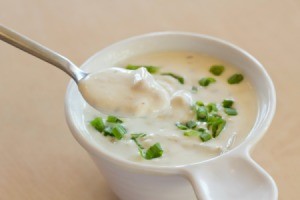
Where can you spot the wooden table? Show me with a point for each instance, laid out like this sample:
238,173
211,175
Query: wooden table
39,159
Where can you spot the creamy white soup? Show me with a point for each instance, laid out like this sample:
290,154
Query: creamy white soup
188,108
127,93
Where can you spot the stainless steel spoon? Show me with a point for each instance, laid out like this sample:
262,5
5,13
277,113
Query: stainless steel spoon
78,75
41,52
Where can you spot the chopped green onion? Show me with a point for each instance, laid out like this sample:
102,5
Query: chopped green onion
202,134
113,119
98,124
199,103
206,81
118,131
155,151
191,133
191,124
179,78
201,113
137,135
205,136
180,126
216,125
201,130
150,69
108,131
217,69
134,137
133,67
235,79
227,103
212,107
230,111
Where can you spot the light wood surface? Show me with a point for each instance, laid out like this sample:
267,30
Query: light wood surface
40,160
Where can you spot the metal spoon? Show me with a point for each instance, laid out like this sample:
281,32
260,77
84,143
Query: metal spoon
80,76
41,52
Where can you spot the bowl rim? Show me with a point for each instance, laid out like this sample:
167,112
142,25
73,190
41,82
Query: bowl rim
243,148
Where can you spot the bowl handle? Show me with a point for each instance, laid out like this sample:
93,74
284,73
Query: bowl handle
231,176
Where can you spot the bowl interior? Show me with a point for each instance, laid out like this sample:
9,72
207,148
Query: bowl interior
172,41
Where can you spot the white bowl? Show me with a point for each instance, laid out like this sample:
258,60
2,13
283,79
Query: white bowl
233,175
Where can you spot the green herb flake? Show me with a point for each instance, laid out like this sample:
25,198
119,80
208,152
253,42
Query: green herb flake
134,137
201,130
137,135
211,107
191,133
205,136
181,126
108,131
216,125
206,81
217,70
98,124
230,111
235,79
227,103
191,124
113,119
201,113
118,131
155,151
150,69
199,103
179,78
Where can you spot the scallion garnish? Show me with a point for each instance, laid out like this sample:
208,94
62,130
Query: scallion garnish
199,103
118,131
201,133
227,103
113,119
179,78
217,70
205,136
98,124
181,126
211,107
216,125
108,131
201,113
155,151
191,133
150,69
207,114
206,81
230,111
135,136
112,127
235,79
191,124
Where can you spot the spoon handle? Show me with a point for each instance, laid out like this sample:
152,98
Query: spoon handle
41,52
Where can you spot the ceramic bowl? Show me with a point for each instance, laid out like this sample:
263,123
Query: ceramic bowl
232,175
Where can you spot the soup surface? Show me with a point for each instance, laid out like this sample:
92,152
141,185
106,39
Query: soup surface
196,125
